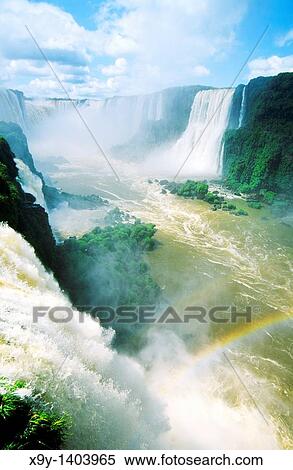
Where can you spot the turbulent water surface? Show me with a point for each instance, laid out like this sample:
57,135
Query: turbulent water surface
194,385
213,258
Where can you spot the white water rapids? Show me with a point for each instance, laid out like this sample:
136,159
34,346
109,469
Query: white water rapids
159,400
30,182
202,139
72,363
163,398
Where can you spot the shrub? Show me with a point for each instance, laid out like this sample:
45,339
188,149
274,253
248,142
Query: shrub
268,196
202,190
211,198
254,204
239,212
27,422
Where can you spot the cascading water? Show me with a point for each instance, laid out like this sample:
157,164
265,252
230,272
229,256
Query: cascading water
124,114
30,183
28,113
12,107
127,114
154,107
37,112
207,124
242,107
114,401
72,363
118,119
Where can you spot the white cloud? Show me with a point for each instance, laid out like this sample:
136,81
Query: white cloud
201,71
44,85
151,44
165,38
286,39
25,68
118,44
270,66
60,37
118,68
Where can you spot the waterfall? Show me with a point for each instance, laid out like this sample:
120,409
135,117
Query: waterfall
207,123
117,120
27,113
30,182
115,402
119,117
136,108
127,114
242,107
37,112
12,107
123,114
154,105
72,363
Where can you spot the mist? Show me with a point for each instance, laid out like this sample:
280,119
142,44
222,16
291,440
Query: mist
184,397
161,399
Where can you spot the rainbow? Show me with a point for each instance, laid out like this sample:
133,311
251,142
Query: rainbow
243,330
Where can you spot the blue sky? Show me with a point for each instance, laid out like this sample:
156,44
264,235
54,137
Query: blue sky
120,47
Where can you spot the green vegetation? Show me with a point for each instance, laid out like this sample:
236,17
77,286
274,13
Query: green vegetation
267,196
19,210
17,142
9,188
189,190
104,267
193,189
258,156
254,204
239,212
26,421
200,190
107,267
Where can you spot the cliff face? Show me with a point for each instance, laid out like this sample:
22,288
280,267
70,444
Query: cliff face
177,104
18,144
234,118
20,211
12,107
259,155
17,141
173,107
